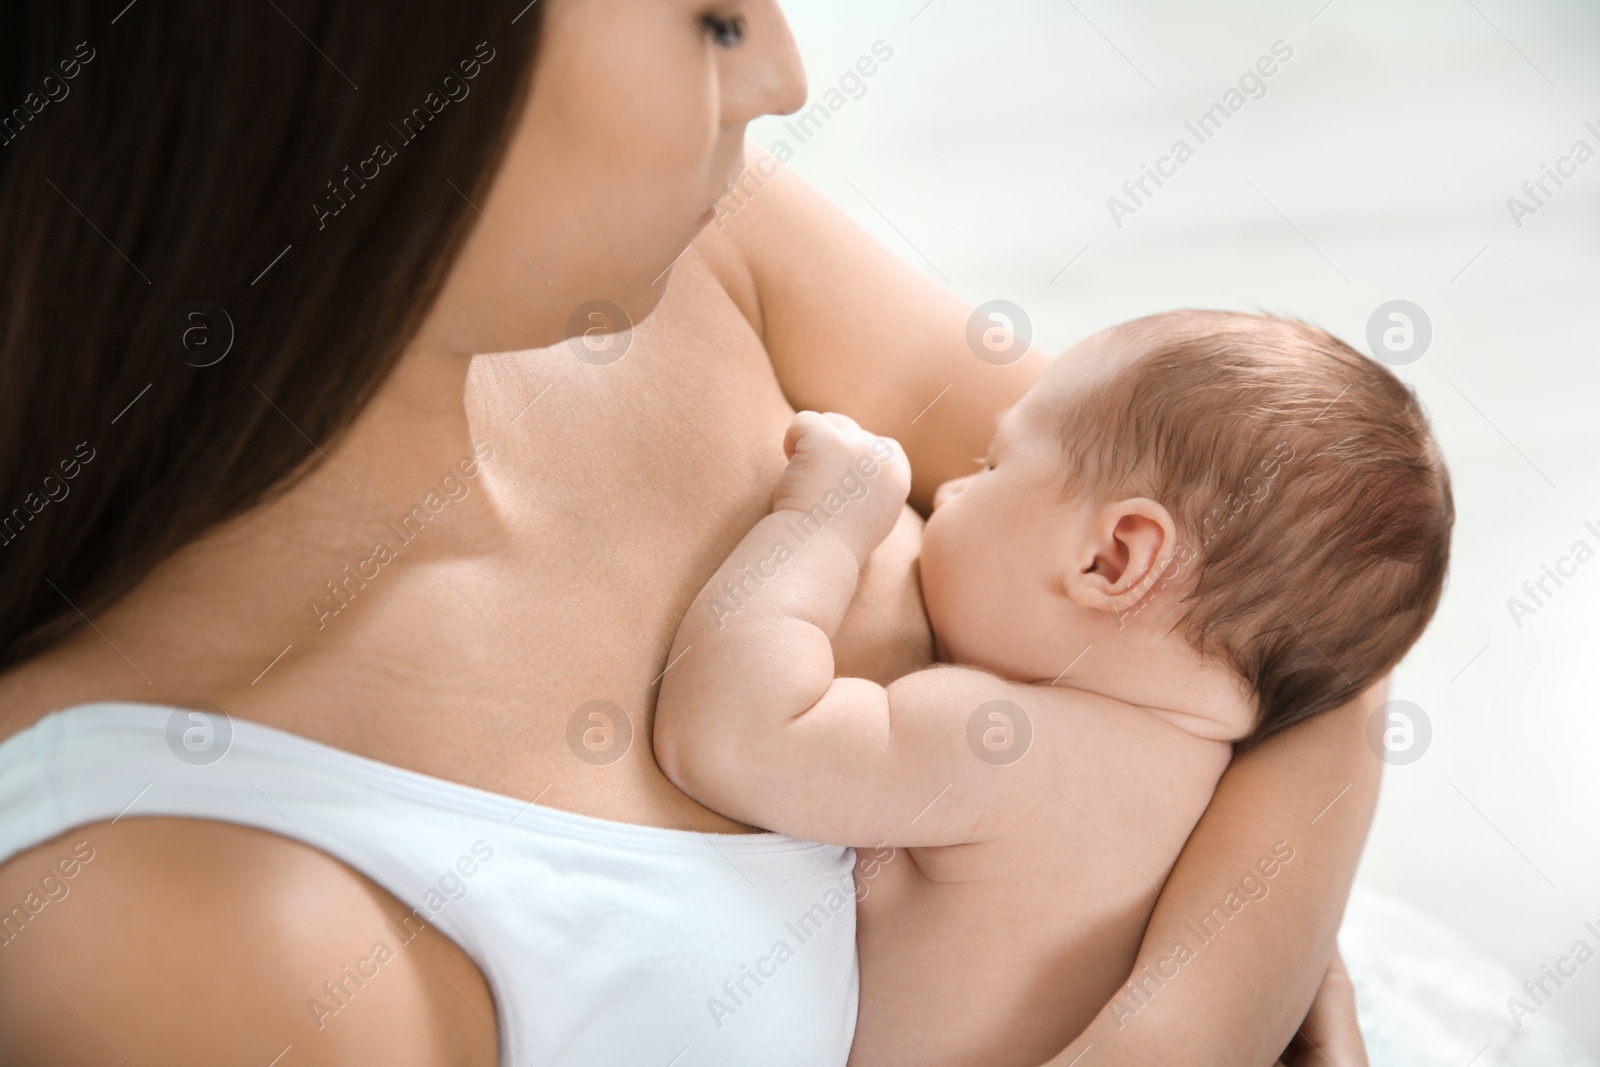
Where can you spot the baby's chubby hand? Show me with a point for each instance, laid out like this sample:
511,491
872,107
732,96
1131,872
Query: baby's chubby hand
851,481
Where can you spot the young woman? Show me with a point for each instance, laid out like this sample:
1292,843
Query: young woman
306,604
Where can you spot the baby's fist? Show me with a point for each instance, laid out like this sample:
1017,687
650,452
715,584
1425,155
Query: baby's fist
843,478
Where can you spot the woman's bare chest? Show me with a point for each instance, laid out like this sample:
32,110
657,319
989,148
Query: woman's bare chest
529,665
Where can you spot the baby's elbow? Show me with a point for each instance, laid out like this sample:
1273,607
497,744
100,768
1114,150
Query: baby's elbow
673,749
682,756
702,763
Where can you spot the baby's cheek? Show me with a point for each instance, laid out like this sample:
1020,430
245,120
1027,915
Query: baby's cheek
949,583
979,601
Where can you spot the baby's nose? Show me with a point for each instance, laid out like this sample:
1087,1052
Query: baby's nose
949,491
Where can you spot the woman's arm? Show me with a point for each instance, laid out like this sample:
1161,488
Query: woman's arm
853,329
187,943
850,328
1331,1035
1242,995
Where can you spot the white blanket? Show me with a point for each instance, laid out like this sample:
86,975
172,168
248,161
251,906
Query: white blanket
1429,998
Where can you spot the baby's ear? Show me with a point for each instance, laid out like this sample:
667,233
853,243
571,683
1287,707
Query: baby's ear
1128,545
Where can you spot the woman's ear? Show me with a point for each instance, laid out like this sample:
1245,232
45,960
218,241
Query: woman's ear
1129,543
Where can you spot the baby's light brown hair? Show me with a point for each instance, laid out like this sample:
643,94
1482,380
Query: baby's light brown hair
1313,506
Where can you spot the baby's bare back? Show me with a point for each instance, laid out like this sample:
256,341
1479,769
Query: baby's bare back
1001,952
1030,868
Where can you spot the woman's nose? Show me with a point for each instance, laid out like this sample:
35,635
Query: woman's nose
766,76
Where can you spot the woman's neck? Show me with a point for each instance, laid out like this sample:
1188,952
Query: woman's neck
209,618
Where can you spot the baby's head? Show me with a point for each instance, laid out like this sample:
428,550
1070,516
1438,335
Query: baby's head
1248,485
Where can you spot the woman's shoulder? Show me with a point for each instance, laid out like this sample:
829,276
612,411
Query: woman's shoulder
776,243
236,935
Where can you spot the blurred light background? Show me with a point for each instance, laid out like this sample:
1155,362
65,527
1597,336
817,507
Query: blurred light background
1375,164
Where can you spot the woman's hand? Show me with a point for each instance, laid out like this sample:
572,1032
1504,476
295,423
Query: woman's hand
1330,1036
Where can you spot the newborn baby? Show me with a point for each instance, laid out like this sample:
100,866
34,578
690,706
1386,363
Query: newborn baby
1197,529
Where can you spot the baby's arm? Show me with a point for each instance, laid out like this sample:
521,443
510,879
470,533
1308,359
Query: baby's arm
750,720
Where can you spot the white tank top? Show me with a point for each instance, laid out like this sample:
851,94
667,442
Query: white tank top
603,942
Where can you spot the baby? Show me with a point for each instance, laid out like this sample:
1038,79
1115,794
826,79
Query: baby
1197,529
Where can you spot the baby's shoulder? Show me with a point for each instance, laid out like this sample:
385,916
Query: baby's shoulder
1091,736
1060,732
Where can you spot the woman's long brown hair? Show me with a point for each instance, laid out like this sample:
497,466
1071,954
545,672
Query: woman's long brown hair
220,223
